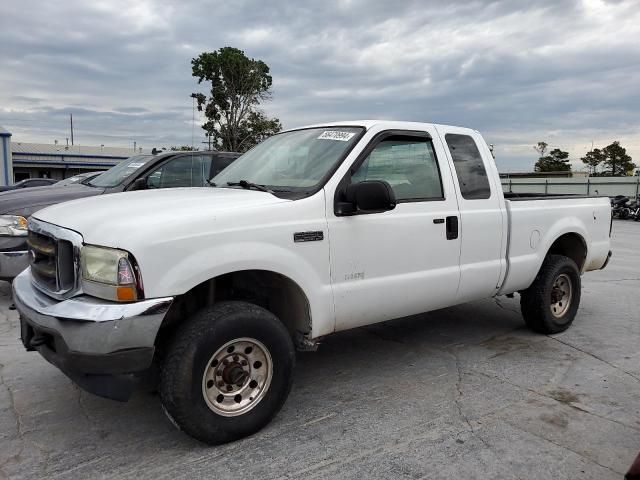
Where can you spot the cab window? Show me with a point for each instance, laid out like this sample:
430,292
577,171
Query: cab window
408,164
472,176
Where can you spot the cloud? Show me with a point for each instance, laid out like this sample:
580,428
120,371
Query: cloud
565,72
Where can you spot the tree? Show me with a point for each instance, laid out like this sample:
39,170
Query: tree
556,161
617,161
238,85
593,160
541,148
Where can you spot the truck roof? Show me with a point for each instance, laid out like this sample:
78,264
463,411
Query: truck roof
368,124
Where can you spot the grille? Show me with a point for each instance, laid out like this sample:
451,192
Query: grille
52,262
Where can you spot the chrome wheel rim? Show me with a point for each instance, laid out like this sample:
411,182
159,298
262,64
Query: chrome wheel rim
237,377
561,293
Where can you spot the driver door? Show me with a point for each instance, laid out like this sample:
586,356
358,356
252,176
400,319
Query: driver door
400,262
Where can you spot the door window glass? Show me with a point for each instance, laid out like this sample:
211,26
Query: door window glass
472,176
408,164
183,171
220,162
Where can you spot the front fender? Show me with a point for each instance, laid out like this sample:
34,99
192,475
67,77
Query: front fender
309,272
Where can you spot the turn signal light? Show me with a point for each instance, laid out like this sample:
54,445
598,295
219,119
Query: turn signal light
126,294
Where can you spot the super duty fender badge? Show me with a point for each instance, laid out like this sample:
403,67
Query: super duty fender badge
308,236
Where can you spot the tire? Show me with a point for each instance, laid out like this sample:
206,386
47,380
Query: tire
253,384
540,313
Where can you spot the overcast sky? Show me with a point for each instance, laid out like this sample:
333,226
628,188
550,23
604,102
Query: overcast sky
566,72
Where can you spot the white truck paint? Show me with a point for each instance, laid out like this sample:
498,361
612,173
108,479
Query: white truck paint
361,268
382,264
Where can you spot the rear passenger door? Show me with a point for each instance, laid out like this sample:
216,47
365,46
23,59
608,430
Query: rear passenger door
482,222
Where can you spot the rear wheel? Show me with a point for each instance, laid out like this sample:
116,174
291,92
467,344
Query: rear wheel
550,304
228,372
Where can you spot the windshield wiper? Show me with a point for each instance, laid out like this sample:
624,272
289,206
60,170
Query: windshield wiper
248,186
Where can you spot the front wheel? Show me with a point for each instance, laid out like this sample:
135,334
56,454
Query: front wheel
227,372
550,304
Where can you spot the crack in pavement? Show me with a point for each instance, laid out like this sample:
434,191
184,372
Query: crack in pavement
550,397
564,447
93,424
498,302
458,402
20,427
399,446
18,418
592,355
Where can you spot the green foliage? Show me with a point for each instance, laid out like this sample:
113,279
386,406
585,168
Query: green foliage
593,160
238,85
556,161
541,148
613,159
616,160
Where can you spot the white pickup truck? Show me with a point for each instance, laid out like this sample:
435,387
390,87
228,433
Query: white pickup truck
316,230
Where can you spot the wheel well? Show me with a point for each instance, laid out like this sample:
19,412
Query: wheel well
570,245
272,291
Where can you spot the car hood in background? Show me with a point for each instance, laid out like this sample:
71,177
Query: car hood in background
29,200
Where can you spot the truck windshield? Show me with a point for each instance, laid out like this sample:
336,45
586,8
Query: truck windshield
116,175
295,161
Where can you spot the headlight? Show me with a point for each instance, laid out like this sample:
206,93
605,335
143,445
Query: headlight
13,225
109,273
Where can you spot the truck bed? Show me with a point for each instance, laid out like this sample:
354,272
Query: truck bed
535,223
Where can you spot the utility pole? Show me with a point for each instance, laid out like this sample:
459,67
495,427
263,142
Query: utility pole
208,140
71,117
193,121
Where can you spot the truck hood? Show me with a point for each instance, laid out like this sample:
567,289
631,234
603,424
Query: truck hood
29,200
108,219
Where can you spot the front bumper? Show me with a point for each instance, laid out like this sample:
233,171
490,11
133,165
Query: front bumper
99,344
14,256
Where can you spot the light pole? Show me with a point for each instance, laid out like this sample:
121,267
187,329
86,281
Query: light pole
193,120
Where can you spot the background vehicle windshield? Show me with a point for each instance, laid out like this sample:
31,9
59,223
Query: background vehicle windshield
292,161
115,175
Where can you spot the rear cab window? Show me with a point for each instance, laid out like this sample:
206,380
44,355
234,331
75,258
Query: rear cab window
469,165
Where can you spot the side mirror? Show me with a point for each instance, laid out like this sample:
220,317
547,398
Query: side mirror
139,184
371,196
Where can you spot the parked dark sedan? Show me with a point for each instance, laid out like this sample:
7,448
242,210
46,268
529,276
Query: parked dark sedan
28,183
174,169
79,178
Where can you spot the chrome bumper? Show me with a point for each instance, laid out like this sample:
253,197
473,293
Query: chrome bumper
12,263
95,342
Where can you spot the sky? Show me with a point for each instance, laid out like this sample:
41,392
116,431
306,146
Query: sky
520,72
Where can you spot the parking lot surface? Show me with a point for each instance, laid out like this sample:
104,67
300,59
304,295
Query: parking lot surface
466,392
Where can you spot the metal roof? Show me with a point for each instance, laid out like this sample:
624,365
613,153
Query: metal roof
24,148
